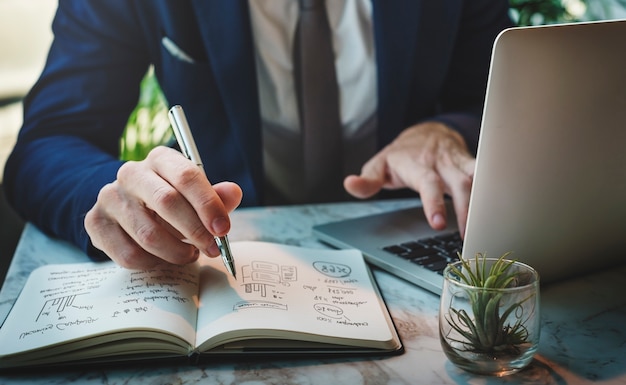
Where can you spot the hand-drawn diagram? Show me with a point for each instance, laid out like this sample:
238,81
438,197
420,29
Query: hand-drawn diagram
265,280
335,293
258,276
60,305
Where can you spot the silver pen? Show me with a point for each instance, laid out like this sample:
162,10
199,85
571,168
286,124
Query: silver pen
188,147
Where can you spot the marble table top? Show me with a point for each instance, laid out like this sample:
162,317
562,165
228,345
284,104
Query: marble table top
583,338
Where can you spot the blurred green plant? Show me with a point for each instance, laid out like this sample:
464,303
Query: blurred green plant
148,125
538,12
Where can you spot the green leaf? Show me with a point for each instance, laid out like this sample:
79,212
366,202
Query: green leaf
147,125
486,329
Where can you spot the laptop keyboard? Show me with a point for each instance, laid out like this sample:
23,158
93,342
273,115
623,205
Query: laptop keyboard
432,253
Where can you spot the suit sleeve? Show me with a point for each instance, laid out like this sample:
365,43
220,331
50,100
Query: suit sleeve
463,94
68,147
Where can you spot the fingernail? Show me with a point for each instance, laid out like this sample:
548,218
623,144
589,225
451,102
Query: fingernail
439,220
220,226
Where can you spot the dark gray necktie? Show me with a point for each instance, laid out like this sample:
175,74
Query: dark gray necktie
318,102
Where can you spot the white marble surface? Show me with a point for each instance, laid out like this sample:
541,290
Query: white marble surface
583,323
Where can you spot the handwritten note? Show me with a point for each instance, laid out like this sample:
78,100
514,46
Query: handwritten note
290,289
64,302
281,292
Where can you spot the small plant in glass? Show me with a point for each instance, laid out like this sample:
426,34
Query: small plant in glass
489,314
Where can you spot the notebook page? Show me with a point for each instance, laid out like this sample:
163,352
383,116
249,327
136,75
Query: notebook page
293,289
61,303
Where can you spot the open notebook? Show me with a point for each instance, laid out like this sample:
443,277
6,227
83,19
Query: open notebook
550,181
286,300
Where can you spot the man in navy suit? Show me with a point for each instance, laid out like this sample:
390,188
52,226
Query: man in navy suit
412,75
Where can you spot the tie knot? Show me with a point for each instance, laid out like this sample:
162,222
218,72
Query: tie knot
307,5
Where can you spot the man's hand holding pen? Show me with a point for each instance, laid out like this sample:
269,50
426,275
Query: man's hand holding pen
161,209
165,208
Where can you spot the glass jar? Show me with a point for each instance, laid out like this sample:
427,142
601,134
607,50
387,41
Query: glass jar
492,328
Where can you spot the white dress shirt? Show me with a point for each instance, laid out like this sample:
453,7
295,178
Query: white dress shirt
273,27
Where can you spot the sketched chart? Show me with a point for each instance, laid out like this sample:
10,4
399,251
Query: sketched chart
264,280
259,275
58,306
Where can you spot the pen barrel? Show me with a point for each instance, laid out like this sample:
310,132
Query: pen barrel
188,147
182,131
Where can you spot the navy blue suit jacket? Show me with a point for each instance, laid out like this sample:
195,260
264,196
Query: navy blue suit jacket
432,58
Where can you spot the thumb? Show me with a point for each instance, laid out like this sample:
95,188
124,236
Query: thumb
230,193
370,182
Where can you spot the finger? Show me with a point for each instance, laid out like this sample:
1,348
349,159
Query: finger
429,185
468,166
109,237
421,177
461,205
457,173
230,194
458,186
155,239
360,187
128,246
212,251
372,179
189,181
126,252
146,191
462,193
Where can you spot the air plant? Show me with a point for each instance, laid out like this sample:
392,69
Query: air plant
488,330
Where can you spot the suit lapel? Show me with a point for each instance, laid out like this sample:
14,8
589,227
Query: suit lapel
395,26
407,35
227,36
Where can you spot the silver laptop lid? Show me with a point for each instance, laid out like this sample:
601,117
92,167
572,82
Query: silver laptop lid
550,182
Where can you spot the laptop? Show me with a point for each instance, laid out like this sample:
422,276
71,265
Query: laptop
550,178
